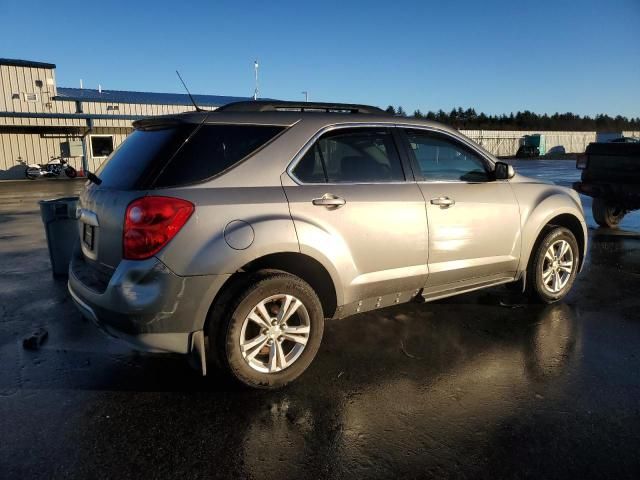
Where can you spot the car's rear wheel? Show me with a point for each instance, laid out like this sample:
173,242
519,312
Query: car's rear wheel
553,265
606,214
272,332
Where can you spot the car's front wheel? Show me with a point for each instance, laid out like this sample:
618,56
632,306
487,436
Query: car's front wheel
272,332
553,265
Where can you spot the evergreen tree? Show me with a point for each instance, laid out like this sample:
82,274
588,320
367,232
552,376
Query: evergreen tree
528,120
391,110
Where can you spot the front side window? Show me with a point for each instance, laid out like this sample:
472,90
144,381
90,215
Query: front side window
355,155
443,159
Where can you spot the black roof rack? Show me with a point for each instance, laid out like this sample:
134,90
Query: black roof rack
283,106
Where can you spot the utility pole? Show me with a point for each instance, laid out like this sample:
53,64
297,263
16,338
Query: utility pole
255,67
306,96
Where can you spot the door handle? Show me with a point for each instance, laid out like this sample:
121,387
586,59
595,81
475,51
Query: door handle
330,201
443,201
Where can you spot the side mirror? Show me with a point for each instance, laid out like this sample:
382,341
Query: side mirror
503,171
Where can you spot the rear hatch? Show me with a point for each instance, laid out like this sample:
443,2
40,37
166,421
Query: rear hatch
160,153
126,175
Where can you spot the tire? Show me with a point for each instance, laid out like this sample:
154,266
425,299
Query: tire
606,214
542,287
258,364
29,175
70,172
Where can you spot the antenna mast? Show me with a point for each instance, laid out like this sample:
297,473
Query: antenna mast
255,68
198,109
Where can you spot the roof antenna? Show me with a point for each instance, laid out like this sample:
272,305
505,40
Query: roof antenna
198,109
255,68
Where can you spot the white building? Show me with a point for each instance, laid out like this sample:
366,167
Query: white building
39,120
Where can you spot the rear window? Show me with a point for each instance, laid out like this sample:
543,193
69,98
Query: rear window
182,154
131,164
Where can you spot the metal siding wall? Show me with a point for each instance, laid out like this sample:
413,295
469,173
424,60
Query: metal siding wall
19,149
5,93
21,80
506,143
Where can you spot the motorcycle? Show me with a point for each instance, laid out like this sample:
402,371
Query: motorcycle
54,168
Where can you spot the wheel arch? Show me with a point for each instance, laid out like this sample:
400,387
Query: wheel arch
573,224
568,220
303,266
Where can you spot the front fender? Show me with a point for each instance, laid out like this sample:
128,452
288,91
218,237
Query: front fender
538,208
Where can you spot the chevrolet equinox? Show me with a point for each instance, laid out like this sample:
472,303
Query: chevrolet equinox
231,235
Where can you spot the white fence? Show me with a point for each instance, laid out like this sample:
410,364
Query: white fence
506,143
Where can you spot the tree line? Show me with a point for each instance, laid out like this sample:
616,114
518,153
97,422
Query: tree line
469,119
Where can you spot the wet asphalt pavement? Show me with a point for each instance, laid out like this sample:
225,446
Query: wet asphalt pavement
476,386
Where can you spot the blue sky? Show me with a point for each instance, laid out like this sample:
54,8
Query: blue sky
495,56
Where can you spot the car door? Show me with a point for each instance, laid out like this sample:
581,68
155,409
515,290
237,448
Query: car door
354,208
474,220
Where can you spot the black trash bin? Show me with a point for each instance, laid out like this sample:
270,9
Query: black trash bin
61,227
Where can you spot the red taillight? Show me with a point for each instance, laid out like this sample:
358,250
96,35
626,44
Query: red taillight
151,222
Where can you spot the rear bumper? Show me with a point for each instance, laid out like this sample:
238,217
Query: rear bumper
177,342
147,305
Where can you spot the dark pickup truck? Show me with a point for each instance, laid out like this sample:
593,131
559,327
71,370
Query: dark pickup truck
611,175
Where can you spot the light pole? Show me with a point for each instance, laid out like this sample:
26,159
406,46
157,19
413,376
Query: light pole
306,96
255,67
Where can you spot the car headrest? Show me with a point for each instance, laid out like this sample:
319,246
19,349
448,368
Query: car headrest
356,167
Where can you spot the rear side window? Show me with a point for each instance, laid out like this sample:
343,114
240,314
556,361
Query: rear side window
211,150
359,155
181,154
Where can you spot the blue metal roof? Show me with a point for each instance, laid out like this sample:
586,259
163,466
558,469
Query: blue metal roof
120,96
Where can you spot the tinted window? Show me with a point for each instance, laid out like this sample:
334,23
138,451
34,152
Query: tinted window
311,168
356,155
442,159
130,165
180,154
211,150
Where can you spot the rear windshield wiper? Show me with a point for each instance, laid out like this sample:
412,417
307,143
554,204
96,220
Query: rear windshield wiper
93,178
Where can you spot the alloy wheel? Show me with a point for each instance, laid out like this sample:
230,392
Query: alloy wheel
557,266
275,333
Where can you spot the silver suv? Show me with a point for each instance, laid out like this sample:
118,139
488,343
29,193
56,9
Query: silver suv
231,235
